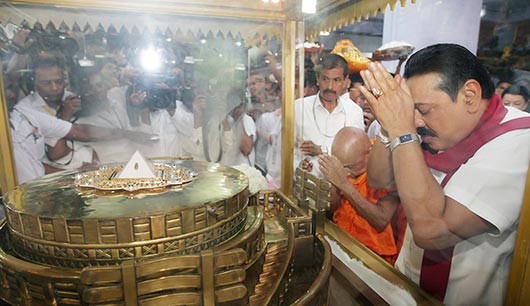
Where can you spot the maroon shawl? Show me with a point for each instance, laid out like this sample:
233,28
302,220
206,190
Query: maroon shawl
436,264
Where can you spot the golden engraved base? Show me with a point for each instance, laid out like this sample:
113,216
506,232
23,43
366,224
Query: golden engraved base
228,249
63,225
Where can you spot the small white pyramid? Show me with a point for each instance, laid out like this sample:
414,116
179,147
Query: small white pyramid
138,167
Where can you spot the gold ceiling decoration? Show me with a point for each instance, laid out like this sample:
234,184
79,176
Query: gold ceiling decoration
249,9
144,21
341,13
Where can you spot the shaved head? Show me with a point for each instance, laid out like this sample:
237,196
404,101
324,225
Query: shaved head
351,146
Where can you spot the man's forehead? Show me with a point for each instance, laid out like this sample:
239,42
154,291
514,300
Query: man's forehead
48,70
513,97
432,78
54,77
256,77
332,71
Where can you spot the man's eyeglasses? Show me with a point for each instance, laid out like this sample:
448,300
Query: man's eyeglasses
59,82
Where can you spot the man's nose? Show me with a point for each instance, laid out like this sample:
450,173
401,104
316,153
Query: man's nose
418,119
55,86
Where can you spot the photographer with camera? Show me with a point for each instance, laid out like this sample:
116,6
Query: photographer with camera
49,95
152,103
15,50
50,99
36,134
190,118
104,105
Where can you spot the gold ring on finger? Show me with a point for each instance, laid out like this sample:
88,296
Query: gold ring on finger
377,92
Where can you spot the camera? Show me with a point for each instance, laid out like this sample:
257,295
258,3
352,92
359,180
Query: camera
160,98
52,41
161,90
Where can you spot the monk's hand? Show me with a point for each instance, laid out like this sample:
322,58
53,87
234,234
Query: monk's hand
390,100
333,170
306,164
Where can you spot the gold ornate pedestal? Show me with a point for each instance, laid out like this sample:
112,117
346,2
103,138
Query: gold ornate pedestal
198,244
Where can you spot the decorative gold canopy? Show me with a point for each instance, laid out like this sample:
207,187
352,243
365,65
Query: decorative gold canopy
260,20
335,14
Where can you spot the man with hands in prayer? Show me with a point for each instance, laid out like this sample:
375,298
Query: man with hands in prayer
462,190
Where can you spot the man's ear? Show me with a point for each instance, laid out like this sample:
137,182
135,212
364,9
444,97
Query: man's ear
472,95
348,82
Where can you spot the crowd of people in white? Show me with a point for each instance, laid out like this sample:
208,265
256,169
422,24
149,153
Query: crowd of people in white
66,114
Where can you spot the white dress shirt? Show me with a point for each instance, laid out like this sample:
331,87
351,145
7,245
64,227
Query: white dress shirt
490,184
81,154
314,122
30,131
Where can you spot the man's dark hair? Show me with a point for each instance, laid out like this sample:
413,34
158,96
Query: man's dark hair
308,64
257,72
101,62
47,62
504,75
332,61
28,80
455,64
236,97
356,78
310,79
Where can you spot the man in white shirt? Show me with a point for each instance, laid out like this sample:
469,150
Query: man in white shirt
111,114
51,97
32,131
462,189
265,125
239,133
189,126
269,128
318,118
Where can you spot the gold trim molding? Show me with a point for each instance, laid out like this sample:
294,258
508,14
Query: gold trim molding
335,14
248,9
518,293
8,179
150,17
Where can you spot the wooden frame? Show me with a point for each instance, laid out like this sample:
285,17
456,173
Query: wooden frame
7,164
519,283
337,14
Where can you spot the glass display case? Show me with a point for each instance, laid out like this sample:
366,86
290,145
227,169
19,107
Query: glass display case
227,64
139,59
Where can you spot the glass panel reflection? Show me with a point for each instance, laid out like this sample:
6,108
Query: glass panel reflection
167,85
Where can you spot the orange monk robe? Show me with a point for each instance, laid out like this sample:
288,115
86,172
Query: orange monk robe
347,218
